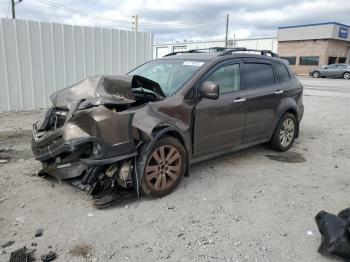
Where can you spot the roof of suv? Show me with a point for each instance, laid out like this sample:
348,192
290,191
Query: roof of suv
224,52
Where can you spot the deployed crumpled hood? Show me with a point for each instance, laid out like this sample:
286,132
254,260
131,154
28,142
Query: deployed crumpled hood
104,88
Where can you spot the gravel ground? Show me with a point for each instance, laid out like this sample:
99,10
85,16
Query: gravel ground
254,205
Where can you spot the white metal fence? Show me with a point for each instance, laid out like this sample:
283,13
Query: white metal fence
38,58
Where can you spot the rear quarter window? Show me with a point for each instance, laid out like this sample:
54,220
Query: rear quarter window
258,75
281,71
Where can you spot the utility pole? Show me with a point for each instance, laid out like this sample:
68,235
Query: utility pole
135,23
226,38
13,5
13,9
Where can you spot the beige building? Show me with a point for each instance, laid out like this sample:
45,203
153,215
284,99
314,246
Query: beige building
313,45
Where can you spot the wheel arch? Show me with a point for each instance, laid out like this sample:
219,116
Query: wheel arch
317,71
157,133
345,73
292,109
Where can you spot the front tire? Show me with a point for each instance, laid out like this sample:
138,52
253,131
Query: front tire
346,75
316,74
284,134
165,167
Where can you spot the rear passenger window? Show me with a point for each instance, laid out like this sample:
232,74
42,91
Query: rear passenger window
228,78
281,72
258,75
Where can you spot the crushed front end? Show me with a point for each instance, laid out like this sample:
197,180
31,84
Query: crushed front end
87,138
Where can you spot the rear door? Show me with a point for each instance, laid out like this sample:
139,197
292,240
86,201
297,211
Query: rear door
219,124
263,96
340,70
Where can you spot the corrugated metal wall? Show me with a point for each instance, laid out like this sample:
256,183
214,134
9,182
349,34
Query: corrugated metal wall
38,58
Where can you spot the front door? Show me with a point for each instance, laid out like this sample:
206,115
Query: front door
219,124
330,71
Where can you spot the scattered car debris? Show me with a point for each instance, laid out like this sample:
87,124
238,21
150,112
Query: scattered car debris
20,219
3,161
82,249
8,243
39,232
335,231
22,255
3,199
112,198
309,233
48,257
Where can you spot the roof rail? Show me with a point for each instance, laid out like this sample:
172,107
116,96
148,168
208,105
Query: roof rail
229,51
225,51
199,50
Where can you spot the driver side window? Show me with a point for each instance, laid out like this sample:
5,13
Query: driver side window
228,78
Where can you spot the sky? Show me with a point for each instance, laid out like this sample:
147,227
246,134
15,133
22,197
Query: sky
179,20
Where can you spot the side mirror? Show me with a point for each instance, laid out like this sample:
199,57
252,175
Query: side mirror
209,90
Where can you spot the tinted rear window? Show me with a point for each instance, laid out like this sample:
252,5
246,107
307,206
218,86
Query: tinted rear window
281,72
258,75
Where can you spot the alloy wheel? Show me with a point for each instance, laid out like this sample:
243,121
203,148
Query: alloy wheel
347,76
287,132
163,167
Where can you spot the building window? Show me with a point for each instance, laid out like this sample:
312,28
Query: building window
341,60
309,60
332,60
291,59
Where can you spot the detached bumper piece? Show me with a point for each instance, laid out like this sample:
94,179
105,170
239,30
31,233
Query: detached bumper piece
112,197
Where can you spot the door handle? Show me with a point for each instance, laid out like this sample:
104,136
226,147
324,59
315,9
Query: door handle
239,100
278,92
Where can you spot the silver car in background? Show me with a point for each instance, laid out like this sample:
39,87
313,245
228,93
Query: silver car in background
333,70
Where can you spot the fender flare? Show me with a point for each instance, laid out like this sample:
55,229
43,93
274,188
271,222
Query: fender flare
140,162
284,110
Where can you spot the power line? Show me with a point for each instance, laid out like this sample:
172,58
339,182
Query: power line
71,10
49,18
198,22
149,25
182,26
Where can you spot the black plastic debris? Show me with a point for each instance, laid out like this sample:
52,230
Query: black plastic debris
39,232
335,232
8,243
48,257
22,255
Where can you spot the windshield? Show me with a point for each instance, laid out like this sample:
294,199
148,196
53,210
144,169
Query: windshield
169,74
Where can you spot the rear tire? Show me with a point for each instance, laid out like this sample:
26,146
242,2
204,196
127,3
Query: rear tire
346,75
165,167
316,74
284,135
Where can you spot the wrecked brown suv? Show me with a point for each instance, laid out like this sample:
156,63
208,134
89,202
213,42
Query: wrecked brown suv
112,135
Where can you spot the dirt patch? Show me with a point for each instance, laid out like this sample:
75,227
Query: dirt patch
18,135
82,250
288,157
12,154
